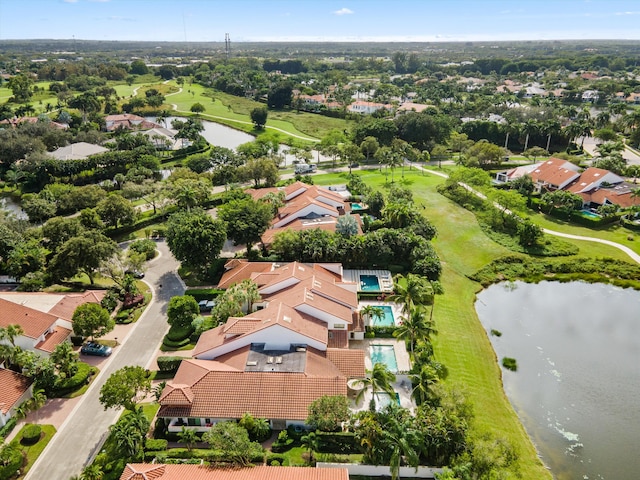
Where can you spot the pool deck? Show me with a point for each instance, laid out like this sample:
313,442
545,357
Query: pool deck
402,385
384,278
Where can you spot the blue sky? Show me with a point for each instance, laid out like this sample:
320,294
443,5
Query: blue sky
320,20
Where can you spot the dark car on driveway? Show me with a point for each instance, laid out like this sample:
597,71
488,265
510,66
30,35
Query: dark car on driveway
92,348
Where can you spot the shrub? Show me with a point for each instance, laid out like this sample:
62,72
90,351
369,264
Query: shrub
203,293
31,434
510,364
77,340
275,460
176,334
169,364
64,386
8,427
337,442
171,344
155,444
11,465
110,301
123,317
496,333
146,247
132,301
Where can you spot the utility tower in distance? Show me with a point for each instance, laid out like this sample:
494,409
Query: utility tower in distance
227,45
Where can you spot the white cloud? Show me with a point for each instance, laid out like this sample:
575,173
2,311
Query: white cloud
99,1
343,11
70,1
627,13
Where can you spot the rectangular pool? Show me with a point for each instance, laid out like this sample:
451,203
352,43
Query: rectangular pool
590,214
384,354
356,206
387,320
369,283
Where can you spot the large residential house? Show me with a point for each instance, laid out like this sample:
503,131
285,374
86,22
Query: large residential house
159,471
14,389
127,121
306,207
77,151
367,108
45,318
289,350
596,186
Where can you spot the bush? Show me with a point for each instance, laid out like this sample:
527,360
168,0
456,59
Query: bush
123,317
8,427
146,247
337,442
176,334
64,386
110,301
169,364
171,344
510,364
275,460
77,340
31,434
382,331
155,445
11,466
204,293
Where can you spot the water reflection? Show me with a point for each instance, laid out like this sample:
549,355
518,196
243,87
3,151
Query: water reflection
578,377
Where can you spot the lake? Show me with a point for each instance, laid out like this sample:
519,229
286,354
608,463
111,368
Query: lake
577,385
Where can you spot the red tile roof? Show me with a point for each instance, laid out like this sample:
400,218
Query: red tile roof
271,395
12,387
141,471
349,362
65,307
59,335
33,323
238,270
555,172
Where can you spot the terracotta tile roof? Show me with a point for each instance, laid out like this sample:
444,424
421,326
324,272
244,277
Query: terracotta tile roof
620,196
327,223
305,296
349,362
33,322
242,328
239,270
271,395
12,387
65,307
592,178
140,471
338,339
555,172
59,335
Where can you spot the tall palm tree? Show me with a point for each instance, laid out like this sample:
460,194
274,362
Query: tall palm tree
415,326
422,381
312,443
402,441
37,401
371,312
410,290
379,378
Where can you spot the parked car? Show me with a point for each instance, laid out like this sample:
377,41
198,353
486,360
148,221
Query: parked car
135,273
92,348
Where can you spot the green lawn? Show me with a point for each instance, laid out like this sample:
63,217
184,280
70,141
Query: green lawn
33,452
234,111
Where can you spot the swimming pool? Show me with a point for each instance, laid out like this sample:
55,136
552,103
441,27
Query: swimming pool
382,399
384,354
369,283
590,214
356,206
387,319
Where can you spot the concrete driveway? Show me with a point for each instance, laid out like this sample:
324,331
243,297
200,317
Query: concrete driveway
86,427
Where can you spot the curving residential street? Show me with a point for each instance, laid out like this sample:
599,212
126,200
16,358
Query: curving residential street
82,433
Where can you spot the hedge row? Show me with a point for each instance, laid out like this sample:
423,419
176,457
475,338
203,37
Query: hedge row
8,427
169,364
204,293
176,334
337,442
155,444
171,344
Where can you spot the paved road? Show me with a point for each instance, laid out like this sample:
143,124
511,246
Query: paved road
82,434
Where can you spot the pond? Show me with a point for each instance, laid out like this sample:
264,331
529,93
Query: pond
577,382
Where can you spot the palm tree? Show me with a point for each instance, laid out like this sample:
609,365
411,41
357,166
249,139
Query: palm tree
422,380
379,378
23,410
261,428
247,292
92,472
38,400
65,359
414,327
189,437
402,441
410,290
371,312
312,443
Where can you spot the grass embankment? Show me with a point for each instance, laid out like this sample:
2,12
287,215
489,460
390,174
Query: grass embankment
234,112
